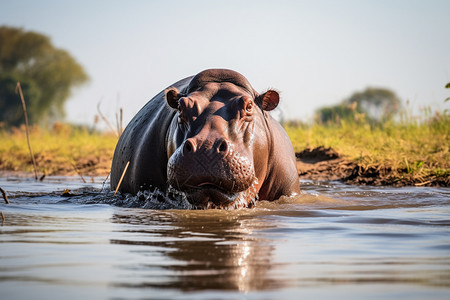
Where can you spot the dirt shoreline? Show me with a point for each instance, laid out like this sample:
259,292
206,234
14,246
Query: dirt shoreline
317,164
324,164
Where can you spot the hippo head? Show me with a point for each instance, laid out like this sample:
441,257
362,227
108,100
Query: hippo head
220,139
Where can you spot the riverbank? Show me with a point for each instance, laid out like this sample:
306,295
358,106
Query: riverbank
391,154
410,153
62,150
326,164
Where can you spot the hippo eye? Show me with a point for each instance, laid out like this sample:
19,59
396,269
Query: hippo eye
249,107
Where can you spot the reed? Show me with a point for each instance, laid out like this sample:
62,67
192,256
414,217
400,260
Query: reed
24,107
121,177
105,119
119,120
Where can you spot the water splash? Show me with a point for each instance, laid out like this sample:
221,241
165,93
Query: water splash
149,199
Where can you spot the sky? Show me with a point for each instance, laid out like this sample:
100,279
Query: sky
315,53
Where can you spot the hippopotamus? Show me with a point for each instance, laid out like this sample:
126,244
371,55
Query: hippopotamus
210,137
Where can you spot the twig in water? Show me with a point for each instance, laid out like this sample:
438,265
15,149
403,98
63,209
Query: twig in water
78,172
43,176
104,118
121,177
24,106
4,195
104,182
3,218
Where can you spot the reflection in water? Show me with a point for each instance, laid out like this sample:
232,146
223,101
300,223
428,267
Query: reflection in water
214,249
333,241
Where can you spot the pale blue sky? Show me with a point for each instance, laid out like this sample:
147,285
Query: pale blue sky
314,52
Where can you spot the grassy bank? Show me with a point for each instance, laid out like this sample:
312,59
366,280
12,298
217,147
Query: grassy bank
412,153
64,150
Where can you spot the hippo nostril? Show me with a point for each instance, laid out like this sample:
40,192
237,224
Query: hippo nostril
223,147
188,147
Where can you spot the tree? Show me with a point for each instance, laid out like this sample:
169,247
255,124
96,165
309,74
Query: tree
378,103
335,113
47,76
374,104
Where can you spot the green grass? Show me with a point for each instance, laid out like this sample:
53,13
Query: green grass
415,148
62,150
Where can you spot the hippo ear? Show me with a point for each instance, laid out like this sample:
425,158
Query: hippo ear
172,96
269,100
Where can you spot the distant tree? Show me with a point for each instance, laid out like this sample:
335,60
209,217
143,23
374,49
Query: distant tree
378,103
47,75
373,104
335,113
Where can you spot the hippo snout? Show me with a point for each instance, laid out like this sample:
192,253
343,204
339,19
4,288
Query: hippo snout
212,171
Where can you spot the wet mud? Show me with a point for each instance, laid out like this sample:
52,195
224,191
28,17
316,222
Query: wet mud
322,163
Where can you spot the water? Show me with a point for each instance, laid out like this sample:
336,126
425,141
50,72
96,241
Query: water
332,241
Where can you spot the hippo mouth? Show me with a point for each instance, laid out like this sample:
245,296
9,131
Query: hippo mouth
208,195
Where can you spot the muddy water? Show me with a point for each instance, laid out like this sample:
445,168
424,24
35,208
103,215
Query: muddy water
332,241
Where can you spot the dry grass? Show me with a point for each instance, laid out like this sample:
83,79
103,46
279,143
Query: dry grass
62,150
